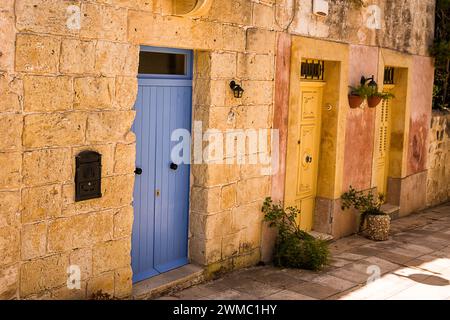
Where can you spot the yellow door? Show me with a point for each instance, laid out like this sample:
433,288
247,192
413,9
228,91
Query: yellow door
384,133
303,151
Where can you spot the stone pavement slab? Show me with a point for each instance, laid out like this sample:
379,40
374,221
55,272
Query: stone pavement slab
413,264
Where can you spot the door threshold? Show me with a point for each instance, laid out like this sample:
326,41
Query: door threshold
392,210
173,280
321,236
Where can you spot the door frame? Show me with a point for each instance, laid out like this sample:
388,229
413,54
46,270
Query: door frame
170,80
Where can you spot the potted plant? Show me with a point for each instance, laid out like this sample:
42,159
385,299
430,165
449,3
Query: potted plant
374,98
357,96
368,204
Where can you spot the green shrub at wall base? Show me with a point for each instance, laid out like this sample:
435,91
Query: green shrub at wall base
310,254
294,247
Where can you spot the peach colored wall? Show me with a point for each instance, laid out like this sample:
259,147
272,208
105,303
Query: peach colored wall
421,101
280,120
360,126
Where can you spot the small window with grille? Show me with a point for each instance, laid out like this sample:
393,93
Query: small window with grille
389,75
312,69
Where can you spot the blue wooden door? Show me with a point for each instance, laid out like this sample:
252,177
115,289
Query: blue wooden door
161,192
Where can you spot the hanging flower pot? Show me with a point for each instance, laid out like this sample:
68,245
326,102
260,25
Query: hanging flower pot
373,101
355,101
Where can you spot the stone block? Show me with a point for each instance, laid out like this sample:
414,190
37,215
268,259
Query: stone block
125,158
9,245
205,200
103,22
9,208
111,255
39,203
80,231
228,197
77,56
64,293
46,166
8,36
45,16
11,126
47,94
123,282
57,129
223,65
83,259
246,216
109,126
263,16
103,283
37,53
219,174
43,274
117,191
257,92
233,38
230,245
113,59
213,250
9,282
93,93
11,164
252,189
146,5
255,66
34,240
126,92
123,222
238,12
11,89
260,41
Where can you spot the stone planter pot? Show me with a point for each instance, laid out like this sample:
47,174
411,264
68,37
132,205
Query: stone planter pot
378,227
372,102
355,101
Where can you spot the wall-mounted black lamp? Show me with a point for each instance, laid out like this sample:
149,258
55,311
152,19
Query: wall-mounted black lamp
237,89
372,84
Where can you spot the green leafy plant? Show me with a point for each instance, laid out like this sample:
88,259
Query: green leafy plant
441,52
382,95
294,248
362,91
367,203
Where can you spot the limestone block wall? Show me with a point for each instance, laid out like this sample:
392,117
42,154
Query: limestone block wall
438,178
65,87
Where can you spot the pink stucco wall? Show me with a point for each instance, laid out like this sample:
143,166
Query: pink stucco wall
421,102
359,136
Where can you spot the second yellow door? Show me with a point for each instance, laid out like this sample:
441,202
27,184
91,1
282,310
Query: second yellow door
303,150
384,133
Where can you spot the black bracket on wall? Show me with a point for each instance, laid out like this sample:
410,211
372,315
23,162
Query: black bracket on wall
88,175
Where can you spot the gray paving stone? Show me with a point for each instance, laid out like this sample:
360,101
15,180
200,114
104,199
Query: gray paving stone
314,290
288,295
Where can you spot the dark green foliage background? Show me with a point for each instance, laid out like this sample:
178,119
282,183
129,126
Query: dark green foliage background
441,51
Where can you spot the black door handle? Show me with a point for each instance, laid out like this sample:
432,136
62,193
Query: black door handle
138,171
173,166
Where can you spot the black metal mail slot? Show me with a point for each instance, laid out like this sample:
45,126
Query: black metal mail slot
88,175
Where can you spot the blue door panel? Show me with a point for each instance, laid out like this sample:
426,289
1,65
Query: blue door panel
161,195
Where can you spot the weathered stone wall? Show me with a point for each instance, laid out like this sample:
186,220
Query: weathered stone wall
438,179
68,83
64,89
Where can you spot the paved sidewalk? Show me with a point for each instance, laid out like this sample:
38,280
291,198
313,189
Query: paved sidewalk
414,264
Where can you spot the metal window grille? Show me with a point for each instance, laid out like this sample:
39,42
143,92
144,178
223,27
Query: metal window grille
312,69
389,75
